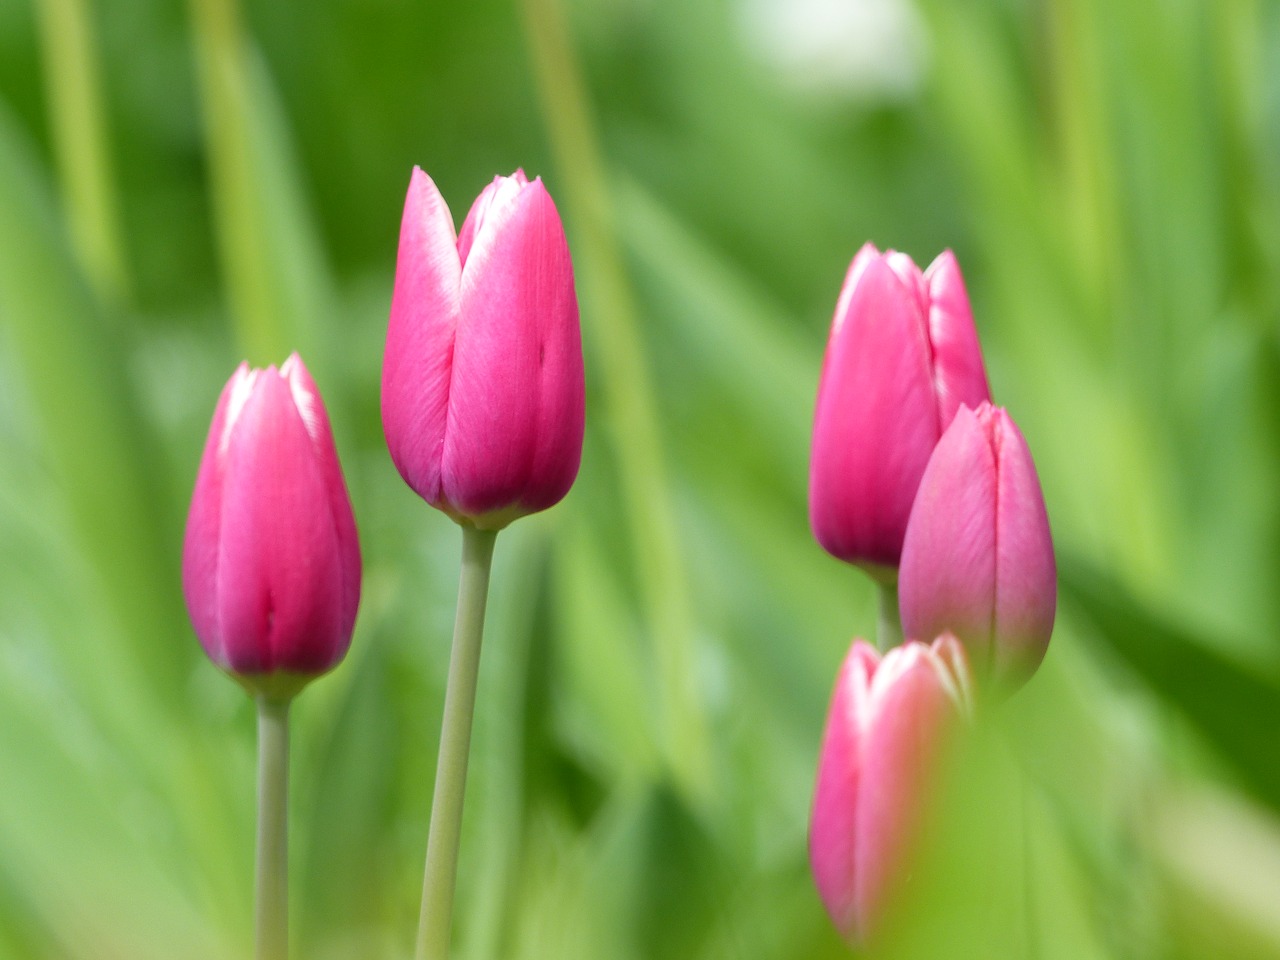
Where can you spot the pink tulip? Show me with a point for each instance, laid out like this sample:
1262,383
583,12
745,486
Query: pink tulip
482,383
880,755
902,357
978,558
271,561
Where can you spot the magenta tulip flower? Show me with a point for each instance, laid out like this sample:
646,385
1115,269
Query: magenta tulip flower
271,562
881,752
482,383
978,558
902,357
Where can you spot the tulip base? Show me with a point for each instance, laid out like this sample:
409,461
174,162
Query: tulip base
280,686
271,886
455,744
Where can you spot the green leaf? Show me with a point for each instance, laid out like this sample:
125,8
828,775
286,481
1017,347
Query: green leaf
1235,709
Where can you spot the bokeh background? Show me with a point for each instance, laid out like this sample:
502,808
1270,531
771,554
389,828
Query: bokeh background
186,185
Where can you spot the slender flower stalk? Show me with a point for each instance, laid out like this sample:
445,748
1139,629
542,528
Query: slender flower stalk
271,887
889,621
441,872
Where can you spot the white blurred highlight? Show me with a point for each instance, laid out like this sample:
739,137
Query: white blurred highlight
858,49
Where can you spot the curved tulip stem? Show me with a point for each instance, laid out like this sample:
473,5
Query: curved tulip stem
271,887
455,743
889,622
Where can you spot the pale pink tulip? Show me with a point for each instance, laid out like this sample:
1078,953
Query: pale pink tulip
271,560
881,754
482,381
978,557
902,357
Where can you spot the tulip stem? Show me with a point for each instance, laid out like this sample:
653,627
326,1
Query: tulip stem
272,881
889,622
455,744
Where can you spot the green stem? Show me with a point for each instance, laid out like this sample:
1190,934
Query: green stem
272,881
455,743
889,621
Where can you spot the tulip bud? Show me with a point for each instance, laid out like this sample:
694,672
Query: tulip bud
271,561
902,357
881,751
978,557
482,382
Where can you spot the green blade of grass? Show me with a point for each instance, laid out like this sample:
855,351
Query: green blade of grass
74,89
1236,710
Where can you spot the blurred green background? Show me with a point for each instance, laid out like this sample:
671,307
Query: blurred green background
183,186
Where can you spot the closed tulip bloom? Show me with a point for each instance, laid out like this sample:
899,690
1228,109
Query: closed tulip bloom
901,359
482,381
881,754
271,562
978,558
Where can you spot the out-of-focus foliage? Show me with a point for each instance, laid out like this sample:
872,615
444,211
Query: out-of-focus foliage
183,186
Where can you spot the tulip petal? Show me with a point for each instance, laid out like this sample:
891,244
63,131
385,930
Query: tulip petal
952,665
515,417
880,754
978,557
832,834
865,255
875,423
498,193
907,271
1026,572
279,581
947,580
316,421
959,375
204,521
901,753
425,307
